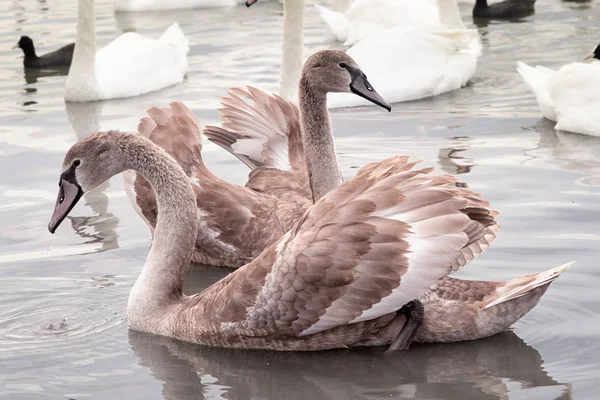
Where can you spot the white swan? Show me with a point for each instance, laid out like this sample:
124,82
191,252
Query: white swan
128,66
292,51
409,63
568,96
365,17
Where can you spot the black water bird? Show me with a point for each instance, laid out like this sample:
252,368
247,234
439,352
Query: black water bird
506,9
59,58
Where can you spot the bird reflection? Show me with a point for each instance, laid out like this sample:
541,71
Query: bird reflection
468,370
32,75
100,228
568,151
451,162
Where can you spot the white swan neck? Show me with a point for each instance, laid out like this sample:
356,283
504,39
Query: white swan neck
292,57
317,140
450,15
82,73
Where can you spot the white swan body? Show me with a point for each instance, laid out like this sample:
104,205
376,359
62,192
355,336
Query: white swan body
366,17
568,96
128,66
409,63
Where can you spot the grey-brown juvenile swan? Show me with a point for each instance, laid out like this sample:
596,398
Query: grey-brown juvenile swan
466,306
237,223
348,274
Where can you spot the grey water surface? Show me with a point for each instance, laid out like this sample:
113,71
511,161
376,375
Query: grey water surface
63,331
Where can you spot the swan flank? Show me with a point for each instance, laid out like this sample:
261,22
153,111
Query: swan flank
567,96
59,58
348,274
128,66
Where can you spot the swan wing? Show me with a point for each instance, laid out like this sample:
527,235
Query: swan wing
362,251
263,131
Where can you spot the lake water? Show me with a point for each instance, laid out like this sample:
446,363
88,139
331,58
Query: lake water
63,331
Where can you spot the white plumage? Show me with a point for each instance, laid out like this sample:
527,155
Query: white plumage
128,66
366,17
568,96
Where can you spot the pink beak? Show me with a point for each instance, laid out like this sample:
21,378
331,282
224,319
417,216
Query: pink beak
250,2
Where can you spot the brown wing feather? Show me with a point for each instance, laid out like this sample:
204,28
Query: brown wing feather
263,131
350,258
236,223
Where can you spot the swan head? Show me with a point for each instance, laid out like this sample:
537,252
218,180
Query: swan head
86,165
594,53
331,71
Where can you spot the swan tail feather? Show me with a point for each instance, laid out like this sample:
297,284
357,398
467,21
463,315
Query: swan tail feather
535,77
175,36
524,284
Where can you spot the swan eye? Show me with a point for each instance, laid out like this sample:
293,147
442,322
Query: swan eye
343,65
62,198
76,163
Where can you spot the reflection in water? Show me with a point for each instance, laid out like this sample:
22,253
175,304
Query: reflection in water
569,151
452,163
469,370
84,117
85,120
485,22
32,75
103,225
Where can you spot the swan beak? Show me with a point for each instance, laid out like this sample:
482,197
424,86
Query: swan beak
250,2
361,87
591,55
69,194
15,46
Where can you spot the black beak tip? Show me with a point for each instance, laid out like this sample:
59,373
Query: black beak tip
389,108
51,228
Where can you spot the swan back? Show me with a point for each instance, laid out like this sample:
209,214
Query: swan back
365,17
133,64
128,66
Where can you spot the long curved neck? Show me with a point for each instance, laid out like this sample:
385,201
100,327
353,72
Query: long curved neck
292,57
317,140
84,56
161,280
481,4
450,15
